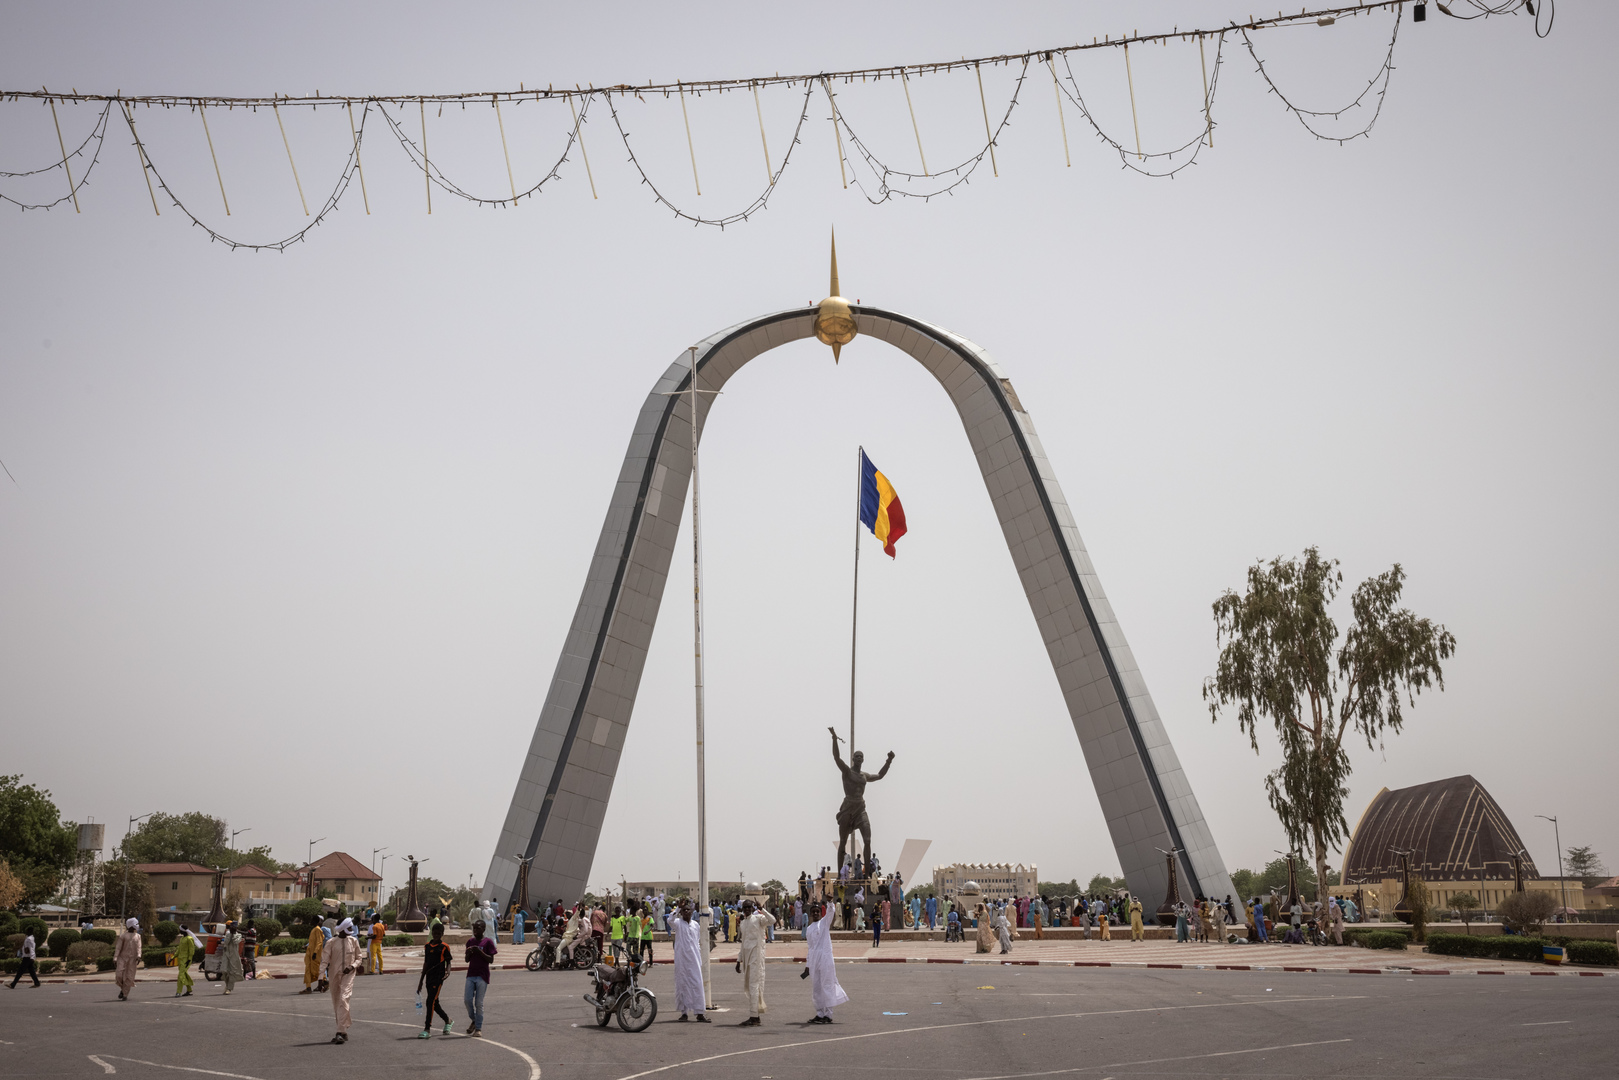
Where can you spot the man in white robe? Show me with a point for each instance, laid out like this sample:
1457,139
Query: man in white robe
1003,930
824,989
752,932
341,959
688,935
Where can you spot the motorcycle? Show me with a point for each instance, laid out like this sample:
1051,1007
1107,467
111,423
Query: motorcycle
619,993
543,957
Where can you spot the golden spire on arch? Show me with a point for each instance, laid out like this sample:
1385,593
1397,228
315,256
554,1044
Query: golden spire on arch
834,321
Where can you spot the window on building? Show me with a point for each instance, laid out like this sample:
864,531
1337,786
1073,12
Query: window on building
174,885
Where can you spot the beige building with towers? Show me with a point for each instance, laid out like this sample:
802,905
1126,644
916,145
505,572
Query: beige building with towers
996,881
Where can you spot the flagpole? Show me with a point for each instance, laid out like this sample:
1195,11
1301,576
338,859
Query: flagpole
704,912
854,628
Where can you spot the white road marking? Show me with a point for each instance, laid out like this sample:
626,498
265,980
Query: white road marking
1158,1061
177,1068
105,1067
533,1066
1545,1023
982,1023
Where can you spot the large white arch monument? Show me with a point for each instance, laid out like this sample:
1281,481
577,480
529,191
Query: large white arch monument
556,813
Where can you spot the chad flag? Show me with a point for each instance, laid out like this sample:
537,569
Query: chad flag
880,510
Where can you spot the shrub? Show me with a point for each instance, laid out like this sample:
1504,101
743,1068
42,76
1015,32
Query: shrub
13,943
88,950
60,940
154,958
75,966
1605,953
101,933
166,932
44,967
8,922
268,930
390,917
35,926
284,946
1381,939
106,963
1527,910
398,939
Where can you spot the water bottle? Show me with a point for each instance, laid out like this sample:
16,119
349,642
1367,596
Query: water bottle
418,1001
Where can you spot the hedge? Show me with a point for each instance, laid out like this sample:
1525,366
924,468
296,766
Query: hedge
105,963
8,922
1354,935
268,929
155,958
60,940
101,933
283,946
1382,940
398,939
35,926
43,967
165,932
88,950
1513,947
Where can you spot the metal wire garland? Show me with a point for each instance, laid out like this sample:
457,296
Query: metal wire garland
1383,73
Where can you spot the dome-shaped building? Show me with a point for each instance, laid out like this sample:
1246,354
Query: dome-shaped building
1458,838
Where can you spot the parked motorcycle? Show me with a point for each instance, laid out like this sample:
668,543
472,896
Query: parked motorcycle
619,993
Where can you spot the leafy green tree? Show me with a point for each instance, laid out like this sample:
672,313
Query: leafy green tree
1585,864
128,889
1102,883
35,843
1244,881
1285,661
255,856
1466,905
193,837
923,891
1058,888
1527,911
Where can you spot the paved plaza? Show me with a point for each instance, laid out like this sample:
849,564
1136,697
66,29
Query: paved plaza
910,1019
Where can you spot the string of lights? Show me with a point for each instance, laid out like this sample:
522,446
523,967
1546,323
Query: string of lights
278,245
1195,145
754,207
886,182
436,176
962,172
1383,75
98,134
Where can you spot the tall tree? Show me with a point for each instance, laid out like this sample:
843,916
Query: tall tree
38,846
193,837
1284,660
1585,864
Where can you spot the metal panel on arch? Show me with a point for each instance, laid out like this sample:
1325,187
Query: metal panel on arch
561,799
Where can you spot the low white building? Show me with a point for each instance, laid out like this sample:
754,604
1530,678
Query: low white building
996,881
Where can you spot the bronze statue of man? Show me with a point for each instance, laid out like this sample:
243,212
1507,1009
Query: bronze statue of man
852,814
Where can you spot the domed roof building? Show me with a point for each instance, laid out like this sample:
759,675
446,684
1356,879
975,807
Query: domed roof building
1459,840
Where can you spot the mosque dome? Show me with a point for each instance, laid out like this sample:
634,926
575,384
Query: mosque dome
971,887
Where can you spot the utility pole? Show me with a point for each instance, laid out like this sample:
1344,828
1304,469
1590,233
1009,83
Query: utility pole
1557,837
125,903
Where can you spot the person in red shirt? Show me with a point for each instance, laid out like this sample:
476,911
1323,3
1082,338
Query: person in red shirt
480,950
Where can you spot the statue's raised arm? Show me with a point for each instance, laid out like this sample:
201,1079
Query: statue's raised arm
837,757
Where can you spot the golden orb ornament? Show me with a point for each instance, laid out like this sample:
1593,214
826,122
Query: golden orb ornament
834,320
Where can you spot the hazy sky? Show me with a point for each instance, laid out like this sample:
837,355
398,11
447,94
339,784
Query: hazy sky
295,538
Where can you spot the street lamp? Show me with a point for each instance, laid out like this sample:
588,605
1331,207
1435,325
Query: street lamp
374,855
1558,839
124,904
309,868
234,833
